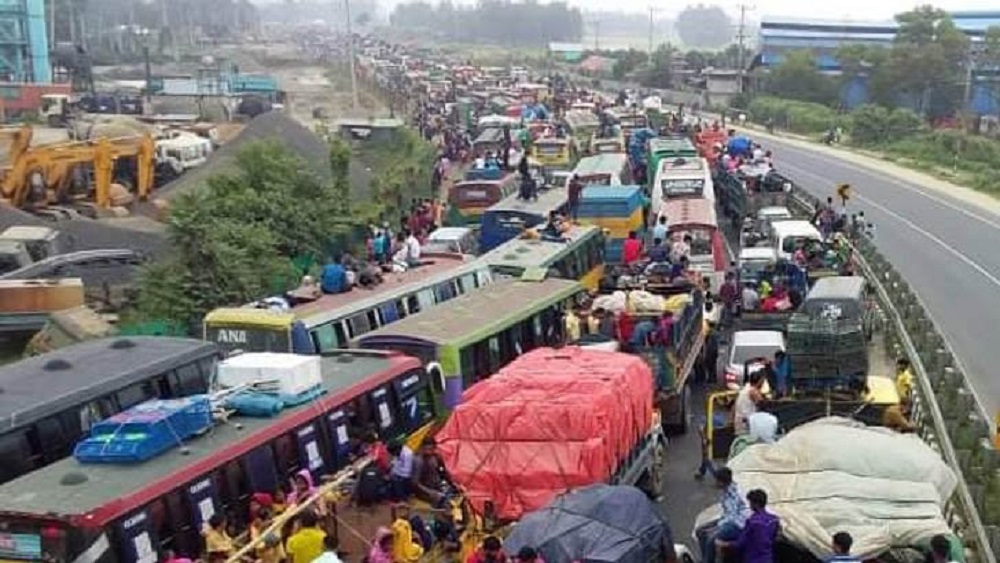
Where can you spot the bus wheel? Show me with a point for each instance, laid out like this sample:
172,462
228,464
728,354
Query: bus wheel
679,425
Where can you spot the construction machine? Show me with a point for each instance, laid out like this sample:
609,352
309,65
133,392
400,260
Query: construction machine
71,172
14,141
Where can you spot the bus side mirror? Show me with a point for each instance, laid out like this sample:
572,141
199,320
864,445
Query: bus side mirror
436,375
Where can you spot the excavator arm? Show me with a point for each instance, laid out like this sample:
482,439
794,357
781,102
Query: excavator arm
47,169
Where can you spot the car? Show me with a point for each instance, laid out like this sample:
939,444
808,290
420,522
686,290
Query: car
459,240
757,229
748,352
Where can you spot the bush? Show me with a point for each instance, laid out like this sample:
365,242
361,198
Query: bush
871,124
790,115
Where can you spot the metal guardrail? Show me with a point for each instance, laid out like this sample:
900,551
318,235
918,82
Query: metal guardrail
943,406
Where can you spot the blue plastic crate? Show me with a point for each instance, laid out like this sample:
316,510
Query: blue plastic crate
484,174
145,431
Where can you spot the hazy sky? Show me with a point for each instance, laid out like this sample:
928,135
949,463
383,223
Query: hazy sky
850,10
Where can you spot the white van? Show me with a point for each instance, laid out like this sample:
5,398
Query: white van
786,235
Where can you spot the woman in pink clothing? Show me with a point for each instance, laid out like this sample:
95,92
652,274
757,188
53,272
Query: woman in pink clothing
381,551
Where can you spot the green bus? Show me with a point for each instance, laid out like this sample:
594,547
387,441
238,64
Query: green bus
471,337
668,147
579,257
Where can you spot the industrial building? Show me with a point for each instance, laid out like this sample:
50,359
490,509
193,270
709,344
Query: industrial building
24,45
779,36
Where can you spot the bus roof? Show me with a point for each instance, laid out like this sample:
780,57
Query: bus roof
250,316
525,253
548,200
467,318
689,211
37,387
484,181
680,166
609,193
365,300
328,304
610,162
106,491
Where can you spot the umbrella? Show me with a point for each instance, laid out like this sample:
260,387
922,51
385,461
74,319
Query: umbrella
595,524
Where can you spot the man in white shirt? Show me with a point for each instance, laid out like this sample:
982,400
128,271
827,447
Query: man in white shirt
329,551
680,249
412,250
401,471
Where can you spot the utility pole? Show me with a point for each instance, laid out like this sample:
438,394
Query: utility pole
741,37
652,11
350,51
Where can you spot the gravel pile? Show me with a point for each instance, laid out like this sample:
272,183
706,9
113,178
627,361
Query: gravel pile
273,125
88,234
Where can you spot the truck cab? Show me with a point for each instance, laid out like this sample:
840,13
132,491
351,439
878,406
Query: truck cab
55,109
13,256
39,242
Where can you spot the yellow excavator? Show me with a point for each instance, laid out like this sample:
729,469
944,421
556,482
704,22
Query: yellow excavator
37,177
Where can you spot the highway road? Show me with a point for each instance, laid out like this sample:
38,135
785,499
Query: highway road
948,250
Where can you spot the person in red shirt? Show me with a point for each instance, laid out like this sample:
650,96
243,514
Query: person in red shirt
632,248
490,552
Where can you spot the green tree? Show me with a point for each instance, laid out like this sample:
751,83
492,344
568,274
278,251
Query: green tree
928,59
988,58
234,241
798,78
704,27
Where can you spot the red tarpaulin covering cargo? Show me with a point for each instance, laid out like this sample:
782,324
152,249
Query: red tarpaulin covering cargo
550,421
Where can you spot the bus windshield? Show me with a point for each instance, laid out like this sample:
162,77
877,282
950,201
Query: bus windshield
682,187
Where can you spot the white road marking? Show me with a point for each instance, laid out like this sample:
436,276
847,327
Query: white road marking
917,190
934,238
977,395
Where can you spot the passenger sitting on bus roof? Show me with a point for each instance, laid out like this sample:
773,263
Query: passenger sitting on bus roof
631,248
642,334
660,230
333,280
658,253
681,248
678,270
665,329
749,299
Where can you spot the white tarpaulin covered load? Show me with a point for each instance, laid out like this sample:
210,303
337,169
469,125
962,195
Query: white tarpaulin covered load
885,489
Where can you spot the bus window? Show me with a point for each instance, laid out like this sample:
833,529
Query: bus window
494,351
15,450
426,298
326,338
389,313
412,304
259,465
385,413
401,308
481,360
187,380
135,394
53,442
467,283
417,409
482,278
286,456
159,523
186,537
235,492
358,325
468,367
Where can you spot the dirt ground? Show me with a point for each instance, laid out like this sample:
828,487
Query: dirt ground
310,88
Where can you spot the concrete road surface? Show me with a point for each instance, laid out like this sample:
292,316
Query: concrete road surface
947,249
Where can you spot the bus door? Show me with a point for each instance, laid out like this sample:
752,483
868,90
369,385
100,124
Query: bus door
337,422
137,543
309,449
202,500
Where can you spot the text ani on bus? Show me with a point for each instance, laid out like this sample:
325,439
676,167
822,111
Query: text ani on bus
49,401
331,321
508,219
609,169
133,512
473,336
579,257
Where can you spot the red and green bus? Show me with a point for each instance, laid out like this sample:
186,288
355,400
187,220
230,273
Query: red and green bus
111,512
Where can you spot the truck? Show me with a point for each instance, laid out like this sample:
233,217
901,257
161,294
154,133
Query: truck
672,363
22,245
551,421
